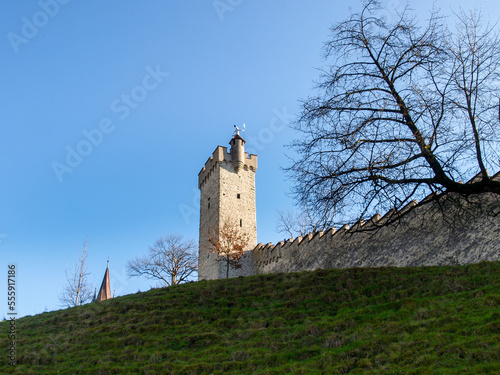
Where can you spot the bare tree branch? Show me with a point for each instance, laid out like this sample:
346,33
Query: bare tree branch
228,242
403,111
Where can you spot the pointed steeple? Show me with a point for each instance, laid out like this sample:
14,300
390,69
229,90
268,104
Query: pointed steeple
105,291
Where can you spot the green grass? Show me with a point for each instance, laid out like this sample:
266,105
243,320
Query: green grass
429,320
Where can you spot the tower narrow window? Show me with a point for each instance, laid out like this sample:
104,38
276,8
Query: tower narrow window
238,196
241,222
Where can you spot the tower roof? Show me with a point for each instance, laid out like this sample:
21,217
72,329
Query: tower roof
237,136
105,290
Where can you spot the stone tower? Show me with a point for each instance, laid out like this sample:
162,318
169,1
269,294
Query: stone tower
227,184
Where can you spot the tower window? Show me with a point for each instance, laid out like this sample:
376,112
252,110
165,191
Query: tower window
208,204
238,196
241,222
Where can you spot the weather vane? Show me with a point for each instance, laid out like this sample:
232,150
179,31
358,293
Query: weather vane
238,130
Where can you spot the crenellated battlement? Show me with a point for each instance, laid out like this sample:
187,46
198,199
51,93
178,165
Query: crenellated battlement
417,234
220,155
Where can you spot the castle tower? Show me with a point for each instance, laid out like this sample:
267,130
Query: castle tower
227,184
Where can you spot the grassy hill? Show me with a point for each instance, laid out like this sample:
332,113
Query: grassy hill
443,320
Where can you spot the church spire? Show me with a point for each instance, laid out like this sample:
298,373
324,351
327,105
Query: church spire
105,290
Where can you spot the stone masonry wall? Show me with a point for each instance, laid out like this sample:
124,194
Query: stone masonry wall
209,213
428,235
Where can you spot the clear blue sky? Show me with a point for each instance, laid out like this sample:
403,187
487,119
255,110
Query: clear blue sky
110,109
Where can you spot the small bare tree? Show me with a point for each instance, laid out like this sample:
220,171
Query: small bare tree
228,243
78,289
300,222
171,260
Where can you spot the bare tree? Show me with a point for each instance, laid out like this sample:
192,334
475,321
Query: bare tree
402,112
229,243
474,49
299,222
170,260
78,289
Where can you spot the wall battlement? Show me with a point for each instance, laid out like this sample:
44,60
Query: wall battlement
220,155
425,233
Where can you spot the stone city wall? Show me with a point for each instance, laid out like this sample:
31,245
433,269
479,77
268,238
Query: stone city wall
432,234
